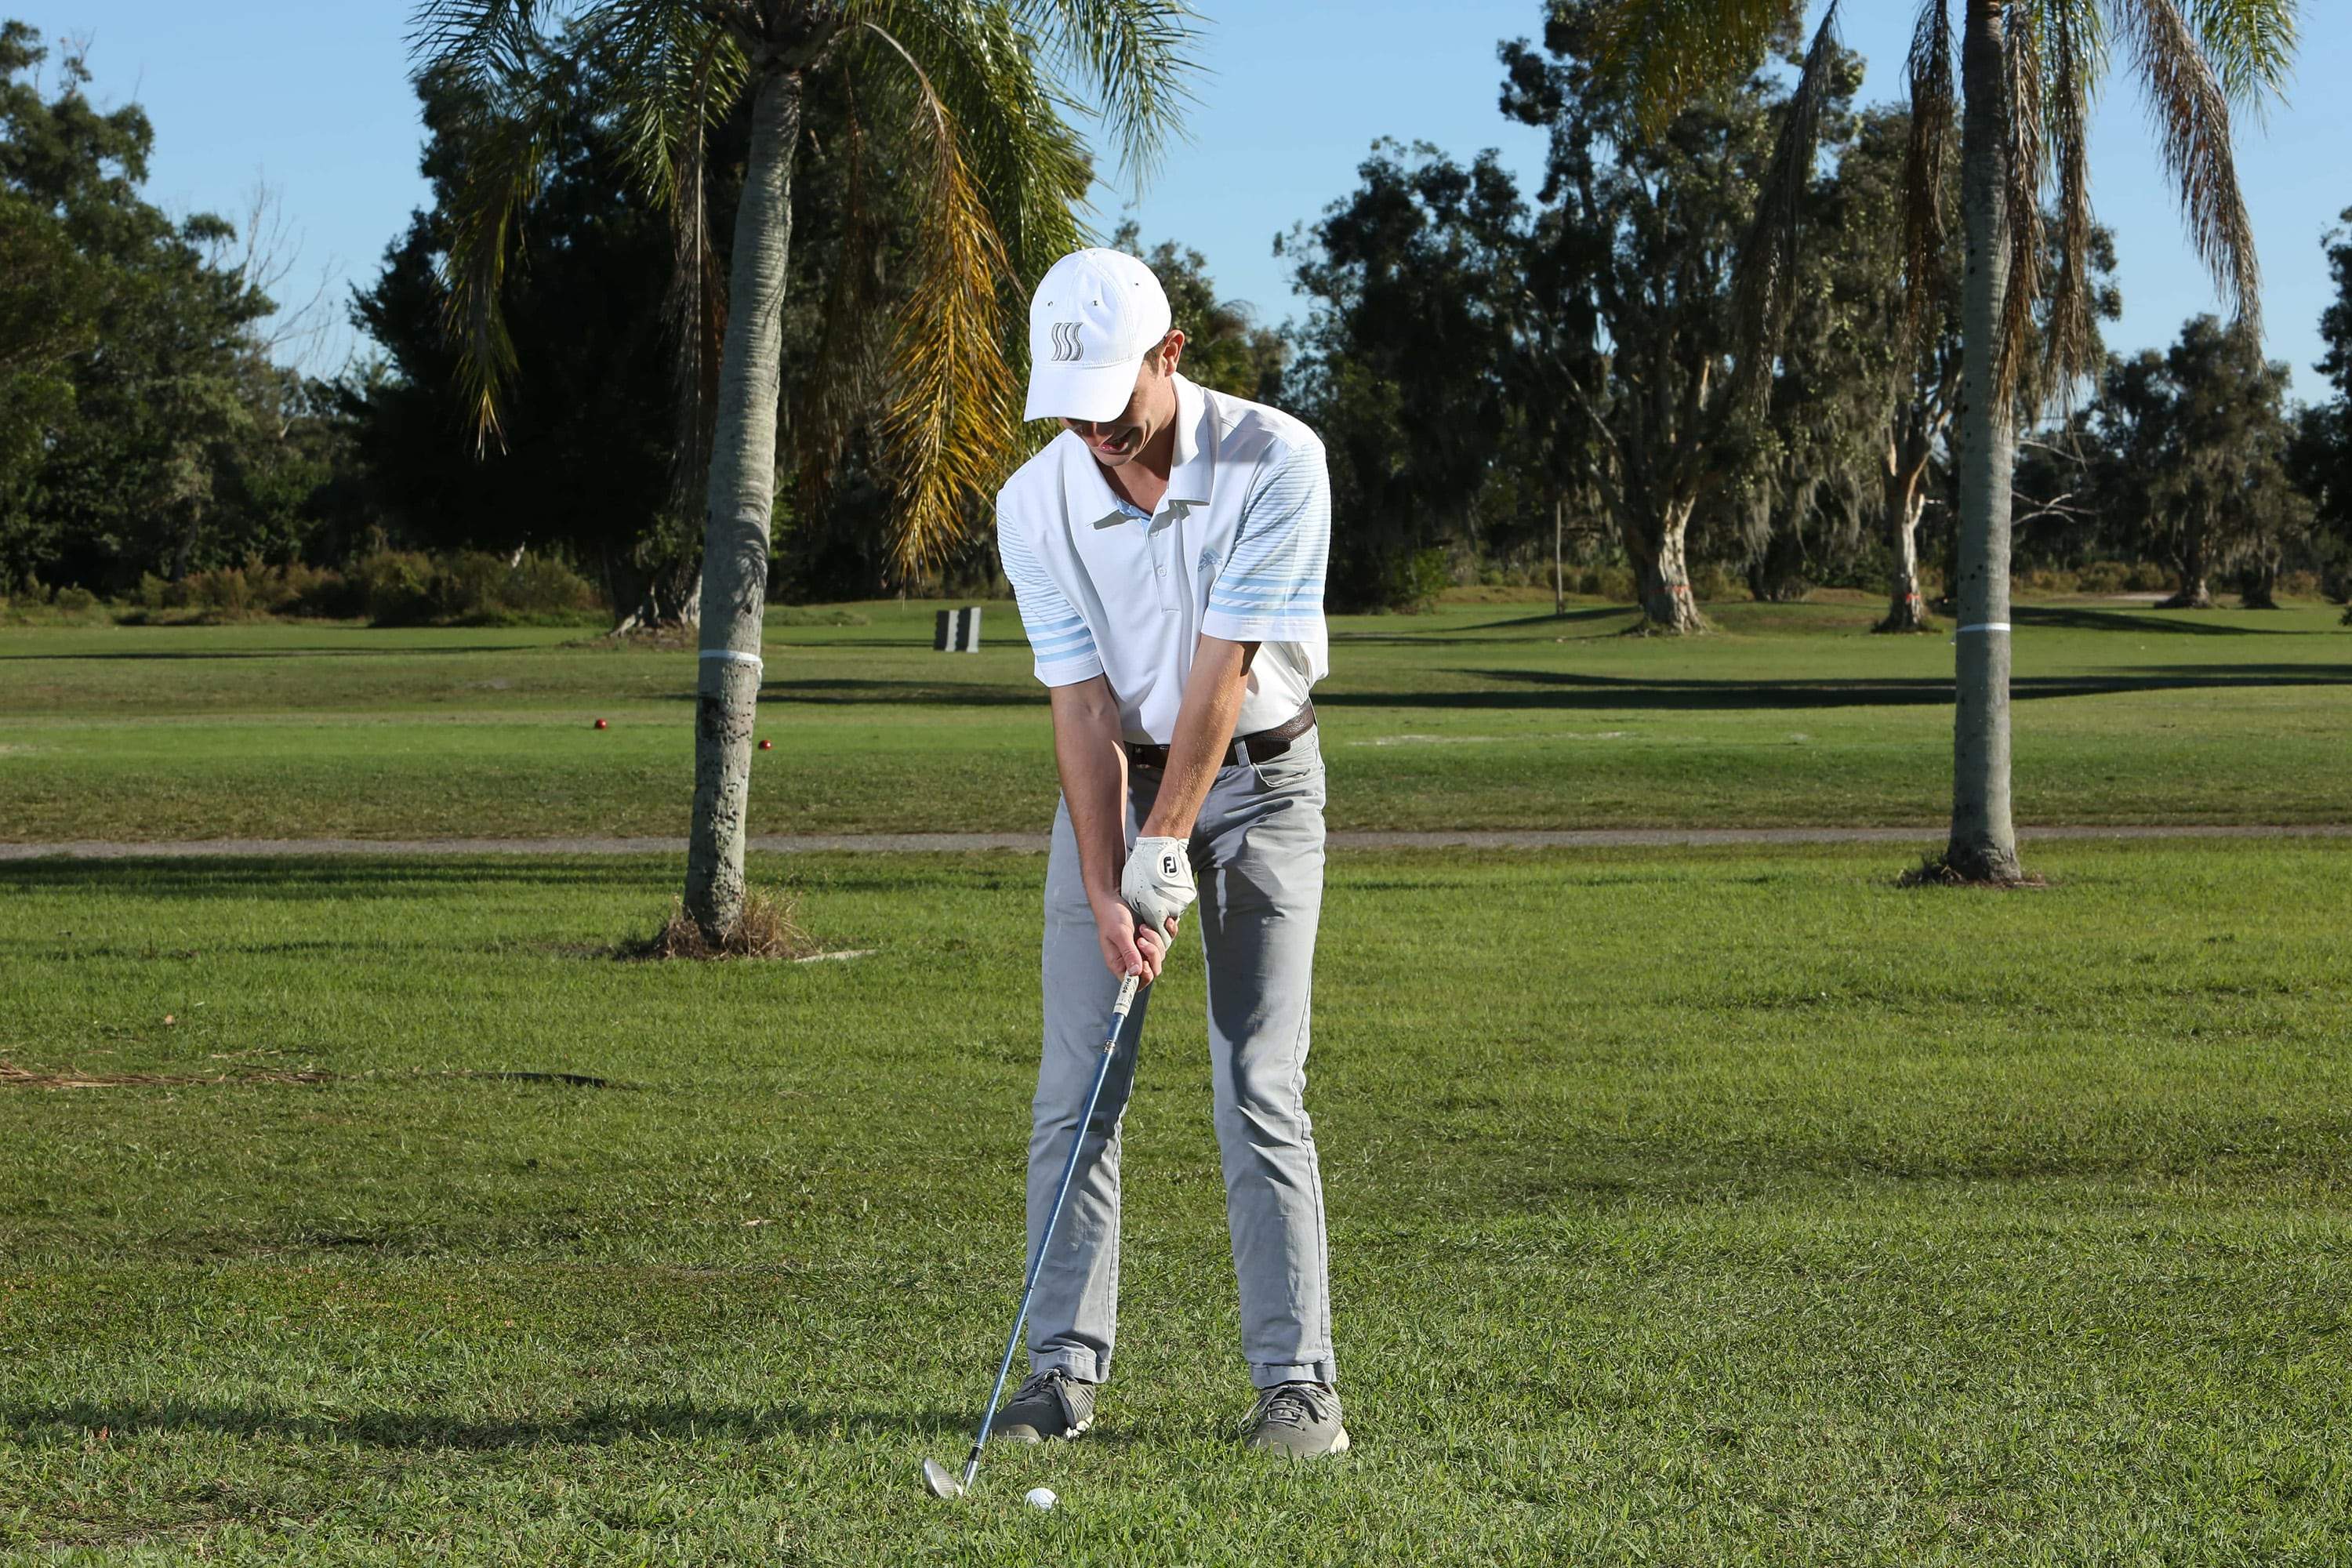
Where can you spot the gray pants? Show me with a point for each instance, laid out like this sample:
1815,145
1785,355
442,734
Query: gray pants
1258,853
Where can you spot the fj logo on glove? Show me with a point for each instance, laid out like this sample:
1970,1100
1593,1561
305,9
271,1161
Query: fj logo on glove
1168,865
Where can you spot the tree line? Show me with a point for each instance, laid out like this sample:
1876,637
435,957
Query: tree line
1538,386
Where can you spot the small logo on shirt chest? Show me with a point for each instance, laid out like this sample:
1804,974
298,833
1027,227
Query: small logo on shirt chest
1207,563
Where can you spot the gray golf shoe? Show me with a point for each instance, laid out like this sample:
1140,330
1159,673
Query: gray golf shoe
1049,1404
1298,1421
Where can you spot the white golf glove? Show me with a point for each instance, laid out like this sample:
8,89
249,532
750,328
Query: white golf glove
1158,881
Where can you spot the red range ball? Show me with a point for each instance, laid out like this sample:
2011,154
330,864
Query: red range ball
600,723
767,746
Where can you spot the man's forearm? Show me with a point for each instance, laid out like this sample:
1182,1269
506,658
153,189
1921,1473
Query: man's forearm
1204,730
1093,765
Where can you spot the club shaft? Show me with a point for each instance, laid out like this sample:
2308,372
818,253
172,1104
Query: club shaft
1053,1218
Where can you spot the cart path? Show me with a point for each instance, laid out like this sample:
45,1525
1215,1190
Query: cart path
1034,843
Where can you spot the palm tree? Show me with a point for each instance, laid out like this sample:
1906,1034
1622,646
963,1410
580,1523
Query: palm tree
952,108
2020,75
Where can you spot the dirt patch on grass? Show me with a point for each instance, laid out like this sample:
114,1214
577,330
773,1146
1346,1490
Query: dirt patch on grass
770,928
1935,871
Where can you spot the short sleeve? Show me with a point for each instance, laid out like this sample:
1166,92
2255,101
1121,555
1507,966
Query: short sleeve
1058,639
1271,589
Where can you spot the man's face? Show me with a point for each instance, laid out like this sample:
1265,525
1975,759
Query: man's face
1150,409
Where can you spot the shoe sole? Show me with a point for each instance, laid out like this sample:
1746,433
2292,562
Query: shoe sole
1031,1433
1339,1445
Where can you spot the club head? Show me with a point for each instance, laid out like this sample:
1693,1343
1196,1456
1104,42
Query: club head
941,1481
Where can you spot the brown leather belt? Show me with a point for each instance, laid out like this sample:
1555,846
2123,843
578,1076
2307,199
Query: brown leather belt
1261,747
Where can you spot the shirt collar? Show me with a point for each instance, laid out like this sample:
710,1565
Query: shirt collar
1188,469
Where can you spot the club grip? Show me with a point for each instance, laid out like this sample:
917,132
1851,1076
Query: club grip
1119,1012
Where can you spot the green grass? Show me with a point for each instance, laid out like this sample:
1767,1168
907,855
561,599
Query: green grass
1686,1208
1482,715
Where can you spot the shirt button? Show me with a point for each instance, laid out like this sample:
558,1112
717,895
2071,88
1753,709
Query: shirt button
1162,570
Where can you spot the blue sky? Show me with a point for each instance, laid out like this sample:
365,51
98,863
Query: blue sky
314,98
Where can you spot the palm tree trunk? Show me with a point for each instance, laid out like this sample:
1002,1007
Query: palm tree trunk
735,524
1983,845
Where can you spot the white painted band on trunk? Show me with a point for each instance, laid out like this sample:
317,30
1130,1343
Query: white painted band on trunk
730,656
1983,626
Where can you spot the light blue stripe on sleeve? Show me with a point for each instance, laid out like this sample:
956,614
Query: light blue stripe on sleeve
1274,580
1058,636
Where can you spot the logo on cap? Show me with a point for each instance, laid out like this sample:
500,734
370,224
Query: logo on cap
1066,342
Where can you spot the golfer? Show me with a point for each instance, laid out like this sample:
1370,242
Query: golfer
1167,549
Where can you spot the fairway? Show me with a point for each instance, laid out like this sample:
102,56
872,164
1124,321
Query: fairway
1687,1206
1492,715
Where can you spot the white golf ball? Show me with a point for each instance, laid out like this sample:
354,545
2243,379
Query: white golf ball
1039,1497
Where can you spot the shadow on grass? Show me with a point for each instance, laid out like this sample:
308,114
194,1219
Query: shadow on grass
850,691
1616,693
332,880
2085,619
1436,638
168,655
69,1422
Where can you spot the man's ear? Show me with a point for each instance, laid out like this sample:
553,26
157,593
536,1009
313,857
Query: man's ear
1172,350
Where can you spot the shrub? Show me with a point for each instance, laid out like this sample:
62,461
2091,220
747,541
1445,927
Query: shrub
543,585
2148,577
1412,581
1615,584
1712,581
2103,577
394,588
75,601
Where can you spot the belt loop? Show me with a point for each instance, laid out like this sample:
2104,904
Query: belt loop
1241,753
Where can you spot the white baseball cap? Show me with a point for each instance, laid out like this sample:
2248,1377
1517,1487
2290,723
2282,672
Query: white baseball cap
1094,317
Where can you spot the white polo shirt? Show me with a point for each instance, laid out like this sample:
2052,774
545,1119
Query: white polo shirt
1236,549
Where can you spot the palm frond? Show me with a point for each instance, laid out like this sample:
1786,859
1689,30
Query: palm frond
509,143
684,73
1764,289
681,72
1018,172
2027,155
953,416
478,43
2075,57
2251,46
1928,162
2191,109
1133,59
489,50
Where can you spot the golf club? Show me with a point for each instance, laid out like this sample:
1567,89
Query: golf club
936,1476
